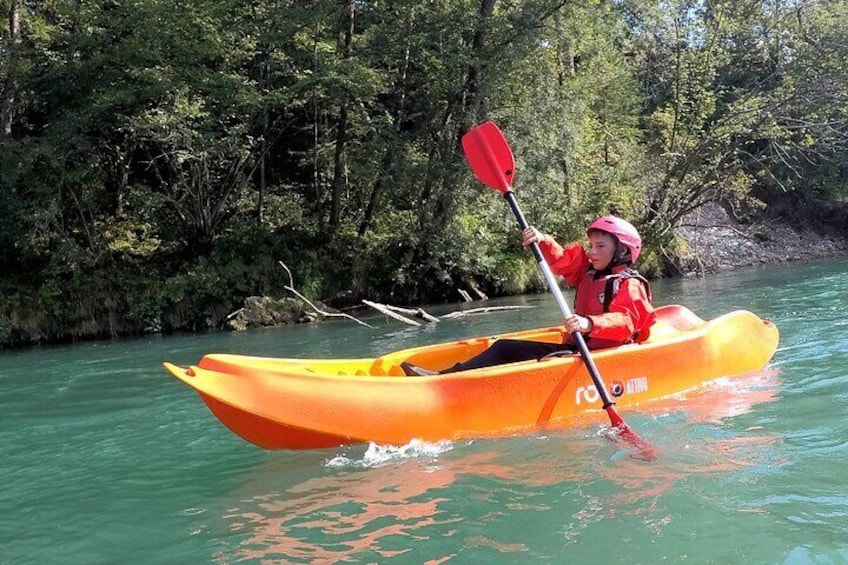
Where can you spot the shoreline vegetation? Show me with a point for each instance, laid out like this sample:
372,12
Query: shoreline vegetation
713,242
158,162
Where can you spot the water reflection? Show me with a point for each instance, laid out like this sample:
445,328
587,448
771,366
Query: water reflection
698,437
374,513
374,507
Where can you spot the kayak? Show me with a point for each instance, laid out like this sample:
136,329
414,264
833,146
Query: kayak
280,403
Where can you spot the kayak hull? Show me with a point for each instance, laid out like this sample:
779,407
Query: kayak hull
315,403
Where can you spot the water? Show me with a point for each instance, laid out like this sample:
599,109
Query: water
107,459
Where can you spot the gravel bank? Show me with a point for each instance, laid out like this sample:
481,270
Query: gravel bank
719,243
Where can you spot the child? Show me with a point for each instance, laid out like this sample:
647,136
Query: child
612,305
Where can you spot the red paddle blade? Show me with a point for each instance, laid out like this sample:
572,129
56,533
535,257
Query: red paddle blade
643,449
489,156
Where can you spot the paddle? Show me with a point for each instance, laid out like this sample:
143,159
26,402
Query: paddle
492,162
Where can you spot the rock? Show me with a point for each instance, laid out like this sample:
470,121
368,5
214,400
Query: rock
717,242
307,318
263,311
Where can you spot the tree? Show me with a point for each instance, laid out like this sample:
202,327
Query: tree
739,106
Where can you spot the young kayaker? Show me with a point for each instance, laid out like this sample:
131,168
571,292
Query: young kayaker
612,304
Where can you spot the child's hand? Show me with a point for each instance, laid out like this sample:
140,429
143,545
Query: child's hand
576,323
531,235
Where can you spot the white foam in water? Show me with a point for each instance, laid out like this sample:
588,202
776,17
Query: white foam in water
376,454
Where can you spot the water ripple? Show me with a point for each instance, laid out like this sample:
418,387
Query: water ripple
106,459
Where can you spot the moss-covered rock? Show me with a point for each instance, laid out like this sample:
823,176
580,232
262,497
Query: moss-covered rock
263,311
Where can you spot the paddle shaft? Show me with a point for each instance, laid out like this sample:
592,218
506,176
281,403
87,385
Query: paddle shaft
563,305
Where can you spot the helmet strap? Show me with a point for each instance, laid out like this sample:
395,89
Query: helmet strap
622,254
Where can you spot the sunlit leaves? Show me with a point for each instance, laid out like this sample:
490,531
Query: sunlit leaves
162,136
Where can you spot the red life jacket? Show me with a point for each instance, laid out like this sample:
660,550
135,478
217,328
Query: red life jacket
595,293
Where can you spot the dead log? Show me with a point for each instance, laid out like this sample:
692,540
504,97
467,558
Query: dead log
461,313
291,289
480,294
390,313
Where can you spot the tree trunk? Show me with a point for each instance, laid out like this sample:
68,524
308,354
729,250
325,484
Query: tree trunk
385,173
260,202
338,168
474,86
339,176
473,104
387,164
10,88
316,175
263,183
118,165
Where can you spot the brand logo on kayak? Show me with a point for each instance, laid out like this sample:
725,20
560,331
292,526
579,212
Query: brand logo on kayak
639,384
616,388
590,394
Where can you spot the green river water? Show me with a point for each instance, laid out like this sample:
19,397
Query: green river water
108,459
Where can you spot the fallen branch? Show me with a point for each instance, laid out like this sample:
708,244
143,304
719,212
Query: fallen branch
417,312
234,314
388,311
291,278
461,313
397,312
480,294
422,314
291,289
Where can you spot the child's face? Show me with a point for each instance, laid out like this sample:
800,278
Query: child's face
601,249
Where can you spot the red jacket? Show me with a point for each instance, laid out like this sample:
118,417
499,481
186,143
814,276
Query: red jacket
630,314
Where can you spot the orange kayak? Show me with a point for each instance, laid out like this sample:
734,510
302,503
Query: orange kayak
318,403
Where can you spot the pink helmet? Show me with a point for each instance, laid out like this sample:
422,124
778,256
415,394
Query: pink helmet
623,230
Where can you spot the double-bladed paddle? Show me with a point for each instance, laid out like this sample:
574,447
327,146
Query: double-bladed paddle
491,159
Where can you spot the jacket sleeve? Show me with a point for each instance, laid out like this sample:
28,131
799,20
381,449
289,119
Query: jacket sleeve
630,312
569,262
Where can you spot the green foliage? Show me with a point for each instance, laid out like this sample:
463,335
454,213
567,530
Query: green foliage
164,157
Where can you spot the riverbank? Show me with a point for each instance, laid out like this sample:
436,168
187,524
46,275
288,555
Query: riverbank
714,241
717,242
